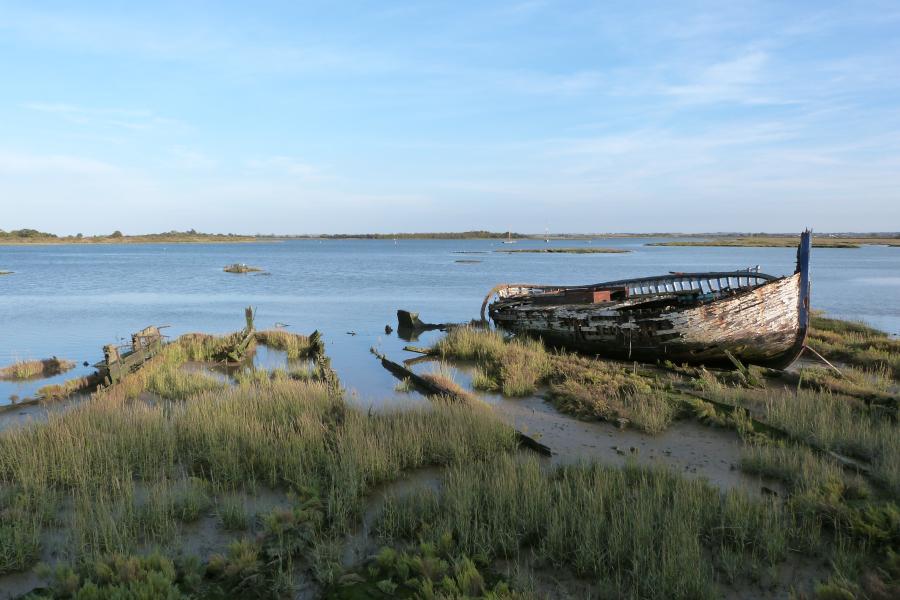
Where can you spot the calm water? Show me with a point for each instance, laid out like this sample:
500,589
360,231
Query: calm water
69,301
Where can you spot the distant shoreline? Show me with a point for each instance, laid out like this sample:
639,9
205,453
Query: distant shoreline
781,242
30,237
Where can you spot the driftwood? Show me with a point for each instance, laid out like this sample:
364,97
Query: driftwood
418,349
431,388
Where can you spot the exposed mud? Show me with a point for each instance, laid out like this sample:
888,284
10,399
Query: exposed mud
36,412
362,543
691,448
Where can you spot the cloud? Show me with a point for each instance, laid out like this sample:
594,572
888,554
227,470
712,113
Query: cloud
737,80
24,163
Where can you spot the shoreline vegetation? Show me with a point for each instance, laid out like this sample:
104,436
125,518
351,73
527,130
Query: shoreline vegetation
35,369
769,241
564,251
825,240
174,483
32,236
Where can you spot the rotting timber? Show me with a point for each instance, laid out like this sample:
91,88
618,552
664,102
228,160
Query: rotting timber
118,361
682,317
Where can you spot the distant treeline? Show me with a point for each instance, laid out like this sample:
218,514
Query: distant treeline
459,235
33,236
25,236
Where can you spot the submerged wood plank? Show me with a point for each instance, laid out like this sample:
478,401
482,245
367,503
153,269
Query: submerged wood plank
431,388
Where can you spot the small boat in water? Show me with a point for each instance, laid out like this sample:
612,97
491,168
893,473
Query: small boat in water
683,317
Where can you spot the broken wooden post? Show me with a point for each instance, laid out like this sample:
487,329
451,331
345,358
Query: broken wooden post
824,360
409,320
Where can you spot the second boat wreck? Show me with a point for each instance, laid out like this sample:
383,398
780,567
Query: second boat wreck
682,317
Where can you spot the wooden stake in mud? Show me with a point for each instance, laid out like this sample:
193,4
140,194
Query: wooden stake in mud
824,360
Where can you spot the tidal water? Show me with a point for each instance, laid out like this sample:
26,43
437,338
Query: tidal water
68,301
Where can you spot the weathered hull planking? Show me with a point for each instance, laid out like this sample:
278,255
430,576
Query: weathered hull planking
693,318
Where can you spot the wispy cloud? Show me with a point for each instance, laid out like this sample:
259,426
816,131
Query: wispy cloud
25,163
739,80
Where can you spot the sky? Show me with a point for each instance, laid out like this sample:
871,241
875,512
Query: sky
327,117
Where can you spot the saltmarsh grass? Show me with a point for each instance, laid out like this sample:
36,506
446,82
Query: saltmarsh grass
174,383
636,532
442,376
585,387
855,344
294,345
281,432
32,369
829,421
233,514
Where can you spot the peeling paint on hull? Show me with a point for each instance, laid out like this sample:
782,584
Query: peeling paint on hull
759,326
692,318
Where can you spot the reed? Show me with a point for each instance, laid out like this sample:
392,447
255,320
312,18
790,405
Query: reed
33,369
585,387
67,388
855,343
294,345
279,432
634,532
442,376
174,383
232,514
404,386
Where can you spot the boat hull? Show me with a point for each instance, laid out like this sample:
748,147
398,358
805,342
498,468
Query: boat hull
758,326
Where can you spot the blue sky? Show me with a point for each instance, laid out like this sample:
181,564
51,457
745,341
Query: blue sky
305,117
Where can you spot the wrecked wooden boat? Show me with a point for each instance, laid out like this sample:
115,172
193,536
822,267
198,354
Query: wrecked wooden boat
683,317
118,361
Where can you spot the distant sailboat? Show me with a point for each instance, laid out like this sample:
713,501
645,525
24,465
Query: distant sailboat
547,235
509,239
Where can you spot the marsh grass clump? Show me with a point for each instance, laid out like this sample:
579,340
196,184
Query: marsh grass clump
35,369
294,345
233,514
828,421
22,518
174,383
871,386
427,570
855,344
118,576
585,387
635,532
517,367
65,389
137,471
442,377
471,343
484,381
596,389
822,495
404,386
